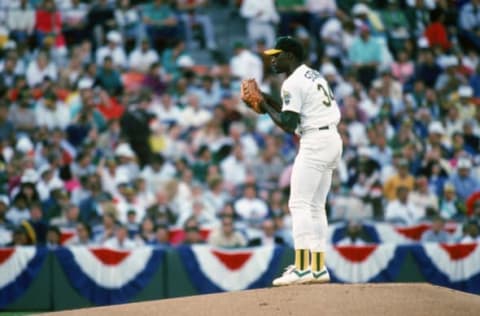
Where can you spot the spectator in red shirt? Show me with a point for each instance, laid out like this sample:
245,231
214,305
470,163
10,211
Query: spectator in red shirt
436,32
48,21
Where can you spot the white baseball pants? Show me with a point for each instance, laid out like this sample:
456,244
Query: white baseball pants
318,155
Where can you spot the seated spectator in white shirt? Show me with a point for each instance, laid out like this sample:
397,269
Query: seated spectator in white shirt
437,233
121,240
18,211
234,167
245,64
268,235
471,233
128,203
262,18
193,115
113,49
83,235
226,235
158,172
39,69
403,211
209,92
252,209
52,113
166,111
143,57
422,197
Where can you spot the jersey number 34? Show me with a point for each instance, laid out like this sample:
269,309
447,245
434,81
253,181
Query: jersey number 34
327,93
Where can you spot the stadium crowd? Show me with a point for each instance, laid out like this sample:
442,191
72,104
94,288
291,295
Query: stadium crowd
109,127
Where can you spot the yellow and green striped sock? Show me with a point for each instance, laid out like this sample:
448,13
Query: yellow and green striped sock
318,261
302,259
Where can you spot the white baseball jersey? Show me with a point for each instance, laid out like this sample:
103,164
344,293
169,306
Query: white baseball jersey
306,92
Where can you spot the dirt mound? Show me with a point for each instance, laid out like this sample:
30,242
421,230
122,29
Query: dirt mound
330,299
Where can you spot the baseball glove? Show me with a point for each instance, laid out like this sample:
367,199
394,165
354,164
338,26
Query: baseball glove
251,95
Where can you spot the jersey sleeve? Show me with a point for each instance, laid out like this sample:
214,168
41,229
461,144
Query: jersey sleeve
291,96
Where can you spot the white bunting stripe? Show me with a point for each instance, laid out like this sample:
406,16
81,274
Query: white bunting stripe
111,276
360,272
16,264
456,270
230,280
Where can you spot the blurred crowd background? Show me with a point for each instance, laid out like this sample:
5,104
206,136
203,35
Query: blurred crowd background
120,121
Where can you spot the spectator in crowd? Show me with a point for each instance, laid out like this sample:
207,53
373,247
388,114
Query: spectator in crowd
114,50
194,116
192,232
120,240
106,229
226,235
127,19
83,235
21,113
160,22
451,207
268,236
463,180
53,237
147,231
100,19
108,78
401,210
251,208
143,57
244,64
423,198
401,179
355,235
234,167
365,56
292,13
469,22
395,21
437,233
23,235
471,233
261,19
193,16
403,68
135,128
21,20
68,219
436,32
74,21
162,235
51,112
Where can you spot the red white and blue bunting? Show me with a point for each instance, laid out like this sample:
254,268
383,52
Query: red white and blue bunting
361,264
216,270
108,276
18,268
388,233
455,266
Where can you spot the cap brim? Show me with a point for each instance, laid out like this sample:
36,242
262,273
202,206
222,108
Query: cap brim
273,51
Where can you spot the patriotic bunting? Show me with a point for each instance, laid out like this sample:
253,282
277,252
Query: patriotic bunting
361,264
18,268
456,266
215,270
108,276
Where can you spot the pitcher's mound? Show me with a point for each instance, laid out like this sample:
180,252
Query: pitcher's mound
329,299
